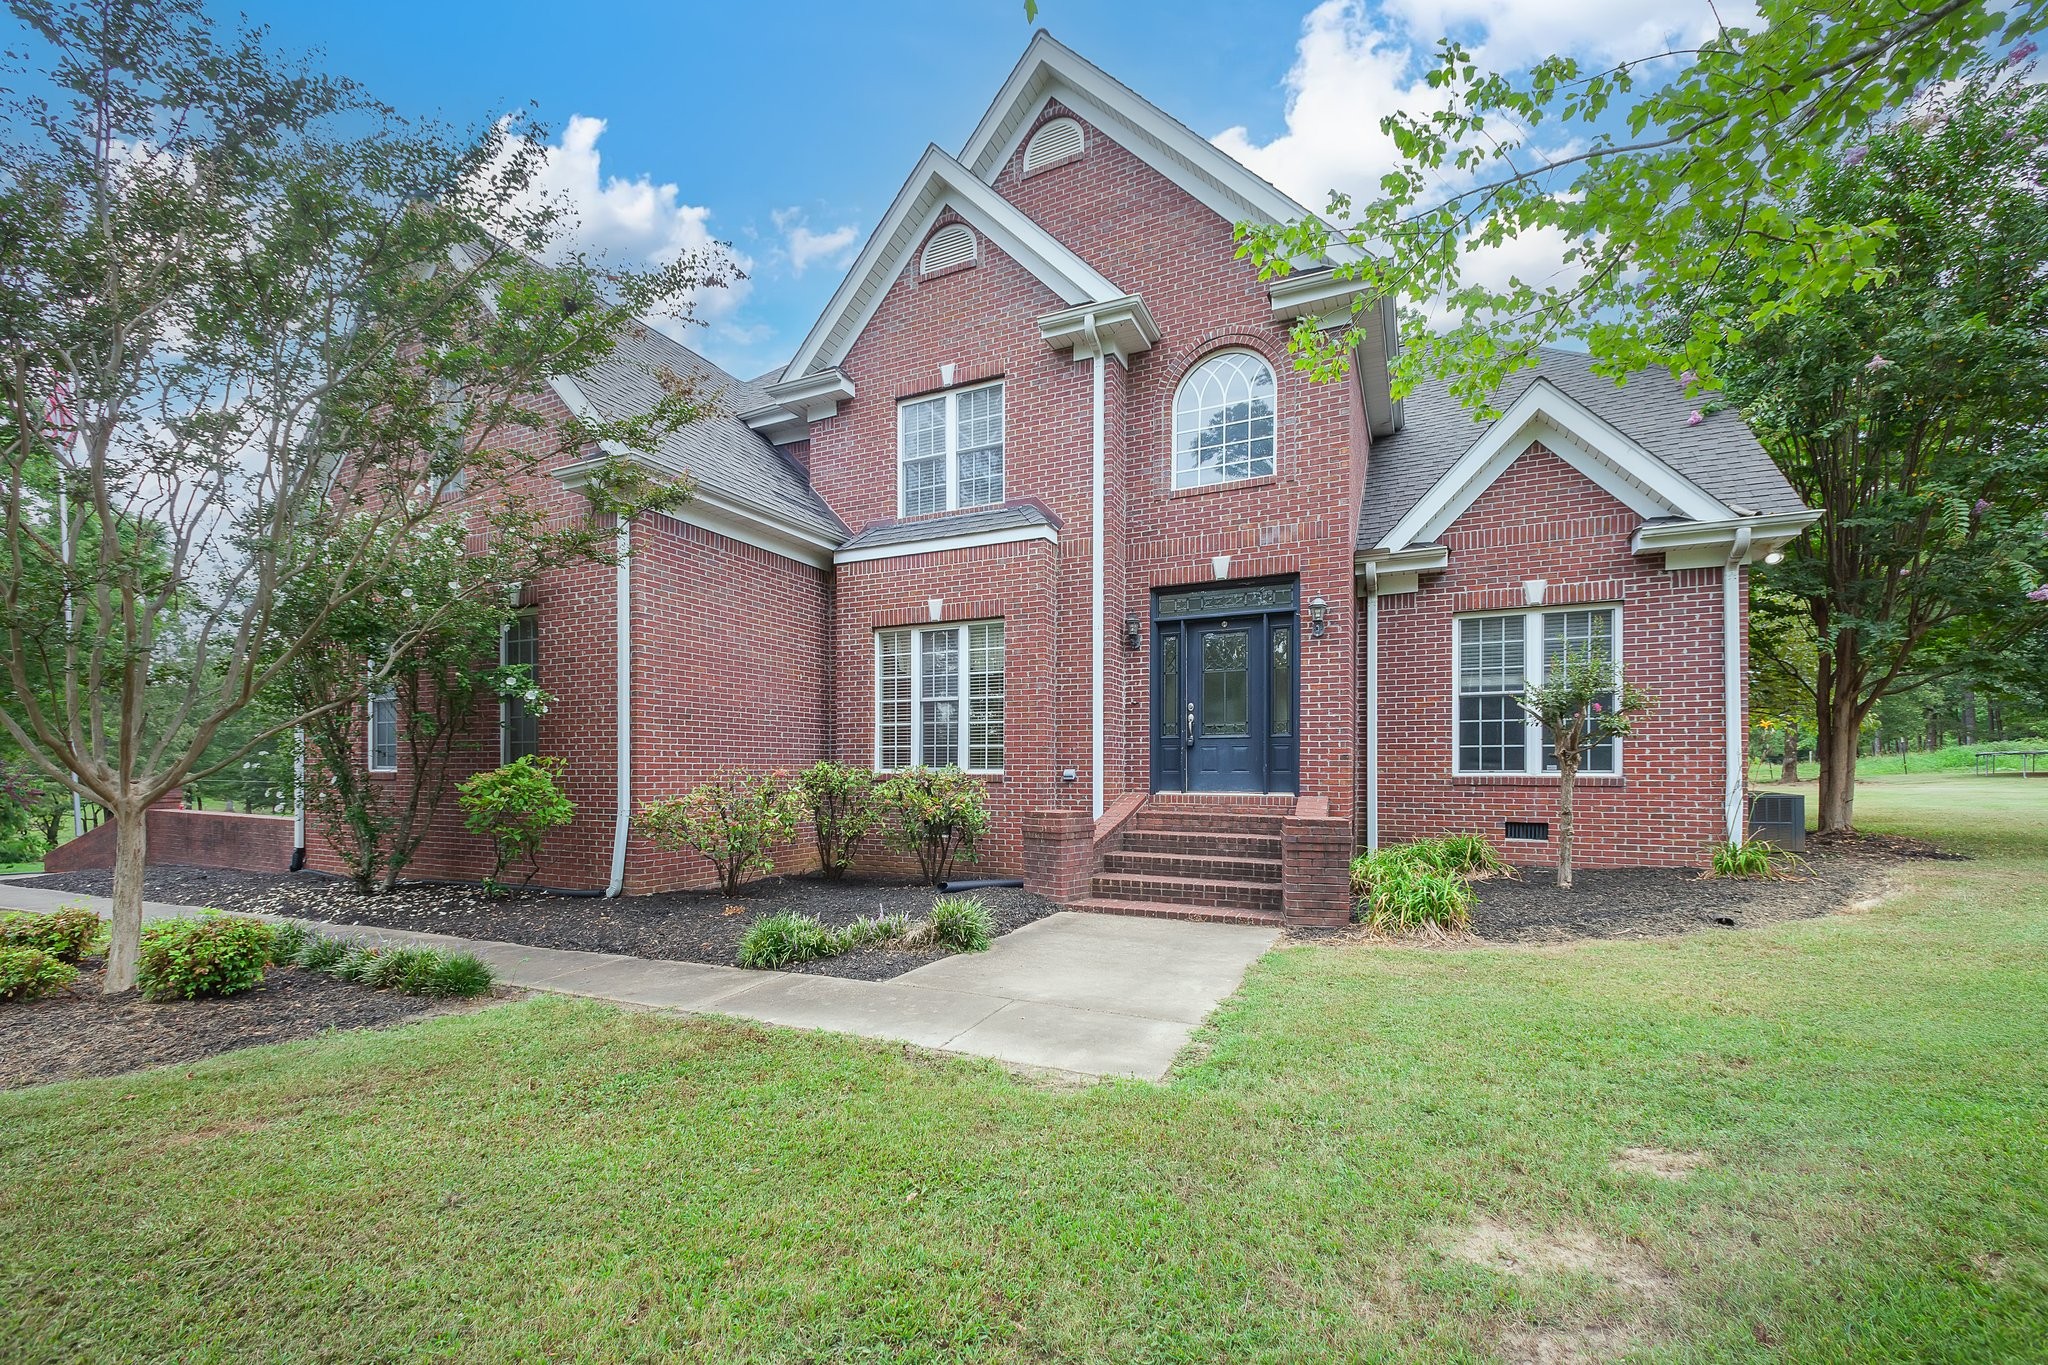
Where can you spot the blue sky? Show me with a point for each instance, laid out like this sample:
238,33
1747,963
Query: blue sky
786,129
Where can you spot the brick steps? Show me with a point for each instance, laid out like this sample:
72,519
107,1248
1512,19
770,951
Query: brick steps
1204,914
1259,824
1218,867
1203,844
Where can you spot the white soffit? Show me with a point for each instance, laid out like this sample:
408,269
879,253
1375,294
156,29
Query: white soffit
1578,436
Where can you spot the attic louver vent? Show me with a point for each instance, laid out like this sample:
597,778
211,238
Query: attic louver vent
950,246
1537,830
1052,144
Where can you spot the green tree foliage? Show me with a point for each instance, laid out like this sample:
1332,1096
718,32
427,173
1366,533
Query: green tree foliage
843,808
737,820
1580,707
1910,412
297,328
514,807
937,814
1713,143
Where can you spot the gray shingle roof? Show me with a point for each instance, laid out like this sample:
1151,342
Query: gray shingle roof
1721,454
1012,516
720,452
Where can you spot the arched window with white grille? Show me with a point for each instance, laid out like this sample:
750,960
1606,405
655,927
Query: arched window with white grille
1223,421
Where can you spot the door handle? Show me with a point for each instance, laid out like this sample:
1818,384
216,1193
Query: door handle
1188,734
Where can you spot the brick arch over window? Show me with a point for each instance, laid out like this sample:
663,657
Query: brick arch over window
1222,418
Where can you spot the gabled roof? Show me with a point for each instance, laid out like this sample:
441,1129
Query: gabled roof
1008,517
1050,69
718,451
937,184
1642,426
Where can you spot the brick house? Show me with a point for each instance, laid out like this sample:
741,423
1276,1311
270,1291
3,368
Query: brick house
1041,496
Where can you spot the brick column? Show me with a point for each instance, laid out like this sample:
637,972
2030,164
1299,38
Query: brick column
1059,853
1315,865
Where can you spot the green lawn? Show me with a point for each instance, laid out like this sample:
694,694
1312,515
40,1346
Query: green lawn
558,1180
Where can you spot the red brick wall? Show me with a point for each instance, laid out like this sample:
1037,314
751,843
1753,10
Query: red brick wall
192,838
1543,519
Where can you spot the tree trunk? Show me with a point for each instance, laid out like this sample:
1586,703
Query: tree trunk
131,845
1838,768
1791,763
1966,731
1567,770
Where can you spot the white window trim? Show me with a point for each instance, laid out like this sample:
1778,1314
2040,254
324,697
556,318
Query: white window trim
952,397
1173,423
1533,665
917,697
385,692
505,703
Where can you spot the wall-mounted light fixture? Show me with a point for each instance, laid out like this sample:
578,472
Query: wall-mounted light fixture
1318,615
1775,557
1131,629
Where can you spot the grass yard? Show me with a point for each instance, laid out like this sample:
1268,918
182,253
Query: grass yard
1377,1153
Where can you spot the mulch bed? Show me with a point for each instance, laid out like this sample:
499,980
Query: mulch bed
682,926
1649,902
79,1032
1877,845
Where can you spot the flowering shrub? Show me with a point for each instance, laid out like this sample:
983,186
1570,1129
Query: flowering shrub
514,807
211,955
65,934
736,820
843,811
939,814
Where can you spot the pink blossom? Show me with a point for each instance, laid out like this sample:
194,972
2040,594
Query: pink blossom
1877,362
2022,52
1689,377
1695,419
1981,506
1596,708
2039,594
1854,156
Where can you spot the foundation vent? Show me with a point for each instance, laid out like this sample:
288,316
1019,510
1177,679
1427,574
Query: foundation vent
1533,831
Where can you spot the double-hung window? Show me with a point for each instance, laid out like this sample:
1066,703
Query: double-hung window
518,722
1498,657
382,740
939,697
950,450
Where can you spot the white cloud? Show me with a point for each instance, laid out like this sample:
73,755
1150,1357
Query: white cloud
805,247
1518,32
637,220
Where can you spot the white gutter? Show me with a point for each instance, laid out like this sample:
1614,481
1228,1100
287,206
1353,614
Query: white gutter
1371,574
622,819
1095,615
1731,676
298,799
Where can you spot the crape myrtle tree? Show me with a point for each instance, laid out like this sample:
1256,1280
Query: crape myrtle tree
1581,705
1911,412
265,293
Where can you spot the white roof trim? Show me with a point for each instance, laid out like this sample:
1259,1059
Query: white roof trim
1121,328
1050,69
1706,544
965,540
938,183
1577,435
713,509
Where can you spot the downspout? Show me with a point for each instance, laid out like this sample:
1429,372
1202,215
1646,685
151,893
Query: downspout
622,819
299,800
1095,344
1372,708
1731,676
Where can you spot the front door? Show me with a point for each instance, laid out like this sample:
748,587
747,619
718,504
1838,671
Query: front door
1224,690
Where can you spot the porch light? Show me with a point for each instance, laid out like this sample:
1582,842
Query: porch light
1130,630
1318,614
1775,557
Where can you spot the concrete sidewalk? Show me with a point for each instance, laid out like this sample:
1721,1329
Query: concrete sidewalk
1100,995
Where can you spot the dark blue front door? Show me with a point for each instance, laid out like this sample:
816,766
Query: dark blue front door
1224,690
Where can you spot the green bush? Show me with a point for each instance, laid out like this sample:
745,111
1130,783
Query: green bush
736,820
287,941
963,924
780,939
67,934
212,955
459,974
514,807
844,810
26,973
1471,854
939,814
1753,859
320,954
356,965
1406,888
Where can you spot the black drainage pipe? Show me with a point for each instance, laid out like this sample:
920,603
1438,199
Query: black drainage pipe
985,884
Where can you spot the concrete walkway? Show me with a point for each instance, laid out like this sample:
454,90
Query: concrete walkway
1099,995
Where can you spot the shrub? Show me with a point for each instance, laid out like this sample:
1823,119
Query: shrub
963,924
736,820
780,939
1753,859
460,974
27,973
514,807
939,814
212,955
1403,889
287,941
843,811
357,964
1470,854
67,934
321,954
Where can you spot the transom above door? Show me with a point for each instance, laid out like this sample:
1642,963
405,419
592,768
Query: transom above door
1226,688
